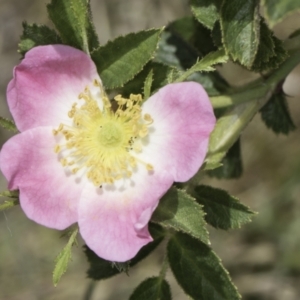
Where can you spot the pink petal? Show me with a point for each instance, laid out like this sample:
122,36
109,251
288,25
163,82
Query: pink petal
46,84
113,220
47,195
183,120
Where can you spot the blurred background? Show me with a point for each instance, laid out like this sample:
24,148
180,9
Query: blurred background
263,258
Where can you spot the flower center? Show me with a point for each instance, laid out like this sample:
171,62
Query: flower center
110,135
103,143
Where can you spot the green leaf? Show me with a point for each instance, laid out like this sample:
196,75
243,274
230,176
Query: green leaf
63,258
9,204
119,60
240,29
148,85
37,35
222,210
103,269
179,211
227,130
8,124
194,34
160,78
206,11
10,194
281,54
270,52
232,166
174,51
276,10
153,288
198,270
205,64
216,35
72,19
185,27
276,115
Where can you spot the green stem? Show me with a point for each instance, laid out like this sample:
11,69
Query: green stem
164,268
235,119
261,88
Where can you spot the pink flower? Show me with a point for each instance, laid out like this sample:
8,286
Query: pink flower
75,160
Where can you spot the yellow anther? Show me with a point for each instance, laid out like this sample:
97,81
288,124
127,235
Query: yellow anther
57,148
137,148
96,82
137,98
60,127
148,118
129,104
118,98
71,113
149,167
75,170
64,162
143,132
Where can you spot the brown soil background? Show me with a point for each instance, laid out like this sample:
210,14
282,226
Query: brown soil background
263,257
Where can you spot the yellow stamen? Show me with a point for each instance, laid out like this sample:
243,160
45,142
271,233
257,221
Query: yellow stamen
102,142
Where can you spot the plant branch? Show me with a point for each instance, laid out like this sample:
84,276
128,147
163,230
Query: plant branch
262,85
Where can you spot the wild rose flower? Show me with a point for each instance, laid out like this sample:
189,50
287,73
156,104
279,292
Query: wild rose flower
77,160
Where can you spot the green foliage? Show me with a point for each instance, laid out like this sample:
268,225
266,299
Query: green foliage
240,29
9,204
14,195
206,11
216,35
227,131
103,269
37,35
184,27
198,270
153,288
63,258
205,64
222,210
10,194
148,85
160,77
276,10
72,19
276,115
232,166
270,52
8,124
179,211
203,40
119,60
176,51
193,33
